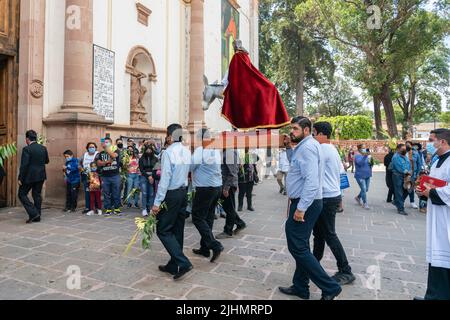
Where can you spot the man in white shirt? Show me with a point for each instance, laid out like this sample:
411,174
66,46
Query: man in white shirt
438,223
172,191
283,168
324,230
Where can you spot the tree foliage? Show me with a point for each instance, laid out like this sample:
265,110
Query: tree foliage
350,127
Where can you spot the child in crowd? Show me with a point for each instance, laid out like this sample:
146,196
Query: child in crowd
133,177
72,178
95,191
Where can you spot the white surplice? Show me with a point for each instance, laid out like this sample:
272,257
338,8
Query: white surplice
438,221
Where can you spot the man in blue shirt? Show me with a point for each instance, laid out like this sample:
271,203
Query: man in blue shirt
207,181
172,192
401,168
416,166
304,185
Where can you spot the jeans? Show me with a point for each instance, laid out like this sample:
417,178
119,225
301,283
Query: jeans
148,193
111,192
411,194
232,217
325,232
203,213
133,182
170,229
72,195
307,266
87,199
245,189
364,186
33,209
400,194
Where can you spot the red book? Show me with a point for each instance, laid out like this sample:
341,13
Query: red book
436,183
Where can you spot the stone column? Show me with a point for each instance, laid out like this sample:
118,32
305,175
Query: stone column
76,123
197,65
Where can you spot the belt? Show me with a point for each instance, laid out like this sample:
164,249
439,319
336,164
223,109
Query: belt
179,189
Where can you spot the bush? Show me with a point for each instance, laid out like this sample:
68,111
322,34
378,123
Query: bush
350,127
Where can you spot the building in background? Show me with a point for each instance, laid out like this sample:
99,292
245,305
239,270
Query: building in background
87,68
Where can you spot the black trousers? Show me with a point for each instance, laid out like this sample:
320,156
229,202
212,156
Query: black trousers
203,214
325,232
33,209
307,266
72,195
245,189
232,217
170,228
438,287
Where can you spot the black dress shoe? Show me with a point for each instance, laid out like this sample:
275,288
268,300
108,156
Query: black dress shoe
251,209
200,252
166,270
403,213
34,219
216,254
240,209
182,272
290,291
331,297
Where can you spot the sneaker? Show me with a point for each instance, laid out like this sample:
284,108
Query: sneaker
85,211
366,206
224,235
403,213
90,213
108,212
423,210
65,210
129,206
414,206
284,193
118,211
358,200
145,213
344,278
99,212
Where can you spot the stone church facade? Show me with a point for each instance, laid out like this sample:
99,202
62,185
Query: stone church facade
76,70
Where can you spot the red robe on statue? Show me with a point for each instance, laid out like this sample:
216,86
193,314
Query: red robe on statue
251,101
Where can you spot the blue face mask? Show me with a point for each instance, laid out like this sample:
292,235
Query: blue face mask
92,150
69,159
93,169
430,148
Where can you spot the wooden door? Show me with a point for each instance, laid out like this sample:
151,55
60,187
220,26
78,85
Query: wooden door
3,124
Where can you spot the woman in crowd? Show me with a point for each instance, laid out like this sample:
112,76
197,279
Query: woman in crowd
133,177
363,173
147,165
85,163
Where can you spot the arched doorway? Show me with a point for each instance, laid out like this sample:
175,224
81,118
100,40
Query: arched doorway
141,67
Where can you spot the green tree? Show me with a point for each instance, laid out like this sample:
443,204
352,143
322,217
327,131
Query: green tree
350,127
294,60
335,98
376,56
445,118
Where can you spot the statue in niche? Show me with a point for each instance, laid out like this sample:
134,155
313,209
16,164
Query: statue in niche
137,94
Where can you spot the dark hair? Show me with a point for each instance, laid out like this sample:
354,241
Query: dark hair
324,127
108,139
438,131
303,122
89,143
175,131
444,135
203,134
359,146
409,142
31,135
400,145
118,139
419,146
68,153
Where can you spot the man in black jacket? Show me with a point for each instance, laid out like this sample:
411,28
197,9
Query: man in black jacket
32,175
230,171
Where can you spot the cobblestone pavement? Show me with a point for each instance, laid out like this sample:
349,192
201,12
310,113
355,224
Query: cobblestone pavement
34,258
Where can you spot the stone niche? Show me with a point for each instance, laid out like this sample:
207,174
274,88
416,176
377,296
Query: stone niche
143,13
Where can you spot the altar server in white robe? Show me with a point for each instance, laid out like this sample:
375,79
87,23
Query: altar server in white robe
438,224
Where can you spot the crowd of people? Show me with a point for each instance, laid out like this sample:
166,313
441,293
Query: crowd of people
309,173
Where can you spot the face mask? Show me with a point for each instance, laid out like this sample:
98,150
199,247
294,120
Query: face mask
108,144
120,145
69,158
430,148
93,169
408,149
403,152
92,150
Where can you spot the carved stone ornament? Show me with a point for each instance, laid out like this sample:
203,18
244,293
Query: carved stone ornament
37,89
